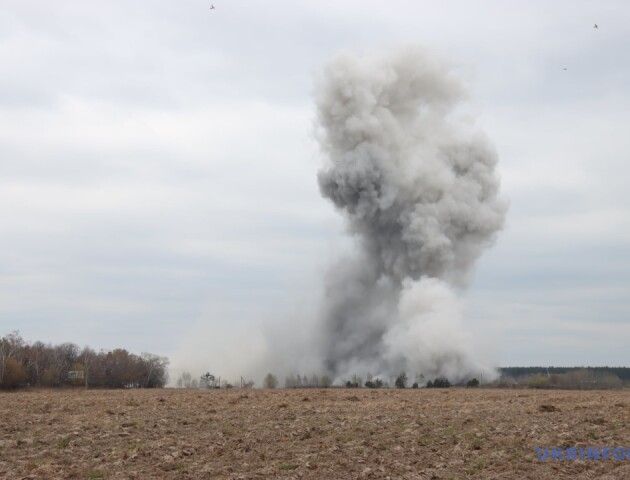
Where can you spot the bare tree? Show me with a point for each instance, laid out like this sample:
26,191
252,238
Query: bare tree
270,381
10,347
246,383
37,358
90,364
184,380
155,373
208,380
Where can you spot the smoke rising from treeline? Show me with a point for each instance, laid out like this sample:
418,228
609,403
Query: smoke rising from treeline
418,190
417,187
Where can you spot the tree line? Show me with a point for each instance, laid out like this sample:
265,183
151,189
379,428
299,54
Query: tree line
45,365
590,378
515,372
186,380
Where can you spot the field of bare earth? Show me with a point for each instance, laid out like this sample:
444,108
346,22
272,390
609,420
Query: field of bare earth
310,433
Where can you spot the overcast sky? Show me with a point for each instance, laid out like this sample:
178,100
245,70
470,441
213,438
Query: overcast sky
158,168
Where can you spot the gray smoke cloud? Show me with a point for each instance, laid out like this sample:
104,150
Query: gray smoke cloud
418,189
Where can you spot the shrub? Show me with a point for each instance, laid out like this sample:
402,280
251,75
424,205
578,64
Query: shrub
50,377
472,383
14,374
440,382
377,383
401,380
538,381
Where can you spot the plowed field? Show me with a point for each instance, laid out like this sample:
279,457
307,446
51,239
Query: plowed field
310,433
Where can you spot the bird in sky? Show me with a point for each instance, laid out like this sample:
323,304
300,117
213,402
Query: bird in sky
595,26
564,68
211,7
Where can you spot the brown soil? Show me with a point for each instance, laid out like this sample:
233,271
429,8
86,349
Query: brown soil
328,434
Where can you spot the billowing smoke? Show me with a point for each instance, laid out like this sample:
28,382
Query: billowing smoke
418,189
416,185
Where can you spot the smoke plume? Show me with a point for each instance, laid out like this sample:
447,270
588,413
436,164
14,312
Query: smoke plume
418,189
